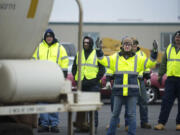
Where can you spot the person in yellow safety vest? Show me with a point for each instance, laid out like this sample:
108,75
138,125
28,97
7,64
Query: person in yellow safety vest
142,98
50,49
126,66
171,66
91,73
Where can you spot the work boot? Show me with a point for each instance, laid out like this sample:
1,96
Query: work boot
84,127
43,129
146,126
75,124
159,127
126,128
55,129
81,130
178,127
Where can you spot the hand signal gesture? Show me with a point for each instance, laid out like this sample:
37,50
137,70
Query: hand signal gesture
155,46
98,44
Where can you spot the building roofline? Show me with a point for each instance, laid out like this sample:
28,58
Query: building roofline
117,23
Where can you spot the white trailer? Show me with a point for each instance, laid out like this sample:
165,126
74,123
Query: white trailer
24,82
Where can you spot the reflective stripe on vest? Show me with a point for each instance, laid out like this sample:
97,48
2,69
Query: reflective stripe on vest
129,86
108,59
38,53
58,53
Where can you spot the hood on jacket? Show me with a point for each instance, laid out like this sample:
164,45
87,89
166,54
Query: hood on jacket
50,32
90,44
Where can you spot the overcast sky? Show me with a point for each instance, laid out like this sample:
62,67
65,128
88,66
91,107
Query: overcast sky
117,11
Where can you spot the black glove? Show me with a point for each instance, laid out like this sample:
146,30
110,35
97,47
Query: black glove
154,51
160,79
90,82
155,46
98,44
146,75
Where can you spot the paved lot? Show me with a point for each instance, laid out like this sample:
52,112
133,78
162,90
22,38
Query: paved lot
105,114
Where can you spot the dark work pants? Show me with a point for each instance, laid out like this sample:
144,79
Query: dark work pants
172,91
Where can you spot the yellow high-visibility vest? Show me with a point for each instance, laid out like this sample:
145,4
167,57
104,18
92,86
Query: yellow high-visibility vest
142,54
173,61
89,66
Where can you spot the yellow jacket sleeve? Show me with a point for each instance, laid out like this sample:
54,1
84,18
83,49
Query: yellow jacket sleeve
34,56
109,72
63,59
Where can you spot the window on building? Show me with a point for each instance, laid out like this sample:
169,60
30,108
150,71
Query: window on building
166,39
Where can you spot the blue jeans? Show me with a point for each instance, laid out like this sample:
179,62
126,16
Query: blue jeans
130,102
49,119
143,106
112,104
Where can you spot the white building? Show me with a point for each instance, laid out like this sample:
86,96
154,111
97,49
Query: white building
145,32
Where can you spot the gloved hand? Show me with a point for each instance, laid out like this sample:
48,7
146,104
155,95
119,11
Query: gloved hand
148,82
98,44
146,75
108,85
160,79
154,51
155,46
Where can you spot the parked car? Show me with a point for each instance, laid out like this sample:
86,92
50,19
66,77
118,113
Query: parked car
154,89
70,48
105,93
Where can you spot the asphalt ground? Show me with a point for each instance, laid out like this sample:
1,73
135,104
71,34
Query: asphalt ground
104,118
